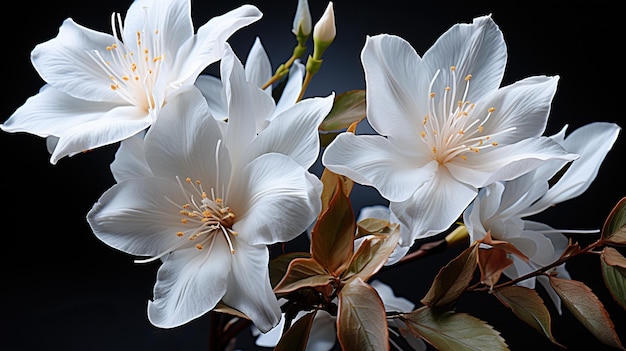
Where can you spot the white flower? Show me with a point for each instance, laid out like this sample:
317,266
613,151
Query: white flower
501,207
102,88
206,200
446,126
258,70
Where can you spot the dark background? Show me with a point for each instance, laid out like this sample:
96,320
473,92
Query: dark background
65,290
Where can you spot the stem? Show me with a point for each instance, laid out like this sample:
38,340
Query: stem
541,270
283,69
305,84
233,330
220,334
458,235
214,326
280,72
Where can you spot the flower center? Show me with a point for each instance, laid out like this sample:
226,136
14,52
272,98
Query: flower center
133,74
456,128
208,215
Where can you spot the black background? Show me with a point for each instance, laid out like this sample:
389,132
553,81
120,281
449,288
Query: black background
65,290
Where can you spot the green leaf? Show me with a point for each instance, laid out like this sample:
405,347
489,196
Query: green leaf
278,266
452,279
453,331
373,253
297,336
327,137
614,229
332,237
302,273
586,307
527,306
614,274
349,107
361,319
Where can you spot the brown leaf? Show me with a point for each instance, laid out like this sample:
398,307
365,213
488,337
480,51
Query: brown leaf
330,181
452,279
585,306
571,250
614,229
278,266
370,226
361,320
503,245
614,274
332,237
453,331
527,306
373,253
491,262
302,272
297,336
612,257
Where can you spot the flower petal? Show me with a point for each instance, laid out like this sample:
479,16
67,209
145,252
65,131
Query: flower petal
248,106
291,92
399,252
154,19
135,216
270,338
258,66
375,211
518,269
558,241
185,139
390,64
276,200
433,207
294,132
208,45
130,160
249,288
535,246
372,160
506,162
476,49
593,142
190,283
522,108
115,125
480,212
323,336
65,63
545,282
215,95
392,302
52,112
79,125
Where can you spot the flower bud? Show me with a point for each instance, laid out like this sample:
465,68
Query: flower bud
302,20
324,31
